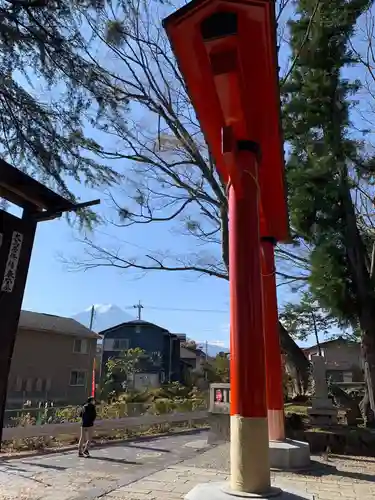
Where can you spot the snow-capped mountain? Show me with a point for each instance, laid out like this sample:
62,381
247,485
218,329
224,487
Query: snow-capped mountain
212,349
106,315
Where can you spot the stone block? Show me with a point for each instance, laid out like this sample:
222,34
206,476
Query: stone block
323,416
219,398
324,403
289,455
219,428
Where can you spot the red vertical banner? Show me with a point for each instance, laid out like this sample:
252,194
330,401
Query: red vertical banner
93,379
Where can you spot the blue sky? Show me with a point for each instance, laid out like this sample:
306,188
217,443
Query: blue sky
51,288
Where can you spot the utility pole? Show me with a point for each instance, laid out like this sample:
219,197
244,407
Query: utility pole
92,317
170,358
203,346
139,307
93,381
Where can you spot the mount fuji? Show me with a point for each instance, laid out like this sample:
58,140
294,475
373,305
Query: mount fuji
105,316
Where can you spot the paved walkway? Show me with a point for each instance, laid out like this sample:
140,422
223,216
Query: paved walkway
167,468
65,476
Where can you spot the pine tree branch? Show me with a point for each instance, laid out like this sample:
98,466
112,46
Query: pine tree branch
305,39
28,4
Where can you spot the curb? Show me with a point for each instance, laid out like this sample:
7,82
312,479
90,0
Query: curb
101,444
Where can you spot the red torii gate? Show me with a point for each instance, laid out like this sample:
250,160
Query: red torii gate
226,51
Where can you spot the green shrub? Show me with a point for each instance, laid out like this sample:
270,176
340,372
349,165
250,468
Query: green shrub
68,414
162,406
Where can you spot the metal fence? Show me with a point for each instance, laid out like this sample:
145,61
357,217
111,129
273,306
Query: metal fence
58,415
105,425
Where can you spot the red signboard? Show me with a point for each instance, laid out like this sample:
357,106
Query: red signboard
219,396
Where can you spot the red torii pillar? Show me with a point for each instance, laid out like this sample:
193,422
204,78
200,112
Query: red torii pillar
248,409
274,368
226,51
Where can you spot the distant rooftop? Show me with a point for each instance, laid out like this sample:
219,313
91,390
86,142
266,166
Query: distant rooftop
338,340
136,322
30,320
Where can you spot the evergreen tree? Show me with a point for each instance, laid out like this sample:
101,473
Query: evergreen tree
46,88
325,162
305,319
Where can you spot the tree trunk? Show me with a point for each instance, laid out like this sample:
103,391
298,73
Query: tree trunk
368,354
365,291
297,364
316,335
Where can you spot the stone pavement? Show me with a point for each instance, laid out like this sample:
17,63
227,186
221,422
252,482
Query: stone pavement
344,478
174,482
167,467
65,476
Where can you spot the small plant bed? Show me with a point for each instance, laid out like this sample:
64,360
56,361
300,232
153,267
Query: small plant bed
339,439
298,408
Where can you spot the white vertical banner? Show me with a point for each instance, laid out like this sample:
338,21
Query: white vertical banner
10,273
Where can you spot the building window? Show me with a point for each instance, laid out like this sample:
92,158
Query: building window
120,344
18,385
48,384
80,346
39,385
29,385
77,378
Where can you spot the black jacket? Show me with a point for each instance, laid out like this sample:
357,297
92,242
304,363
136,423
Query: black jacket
88,415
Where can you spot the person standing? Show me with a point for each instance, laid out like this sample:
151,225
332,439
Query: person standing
88,416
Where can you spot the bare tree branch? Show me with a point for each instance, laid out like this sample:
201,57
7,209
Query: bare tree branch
170,175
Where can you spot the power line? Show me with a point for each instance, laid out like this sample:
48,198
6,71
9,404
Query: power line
120,240
176,309
215,311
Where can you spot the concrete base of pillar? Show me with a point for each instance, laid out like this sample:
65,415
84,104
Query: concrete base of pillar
289,455
221,491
